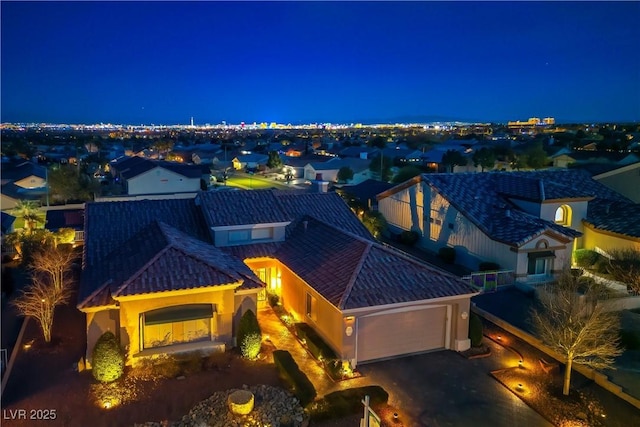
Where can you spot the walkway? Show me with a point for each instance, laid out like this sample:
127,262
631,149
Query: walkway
283,339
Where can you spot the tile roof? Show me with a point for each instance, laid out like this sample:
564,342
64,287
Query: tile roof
484,199
223,208
353,272
326,207
367,190
18,169
160,258
130,167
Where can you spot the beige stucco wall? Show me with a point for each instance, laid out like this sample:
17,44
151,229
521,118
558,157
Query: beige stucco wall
561,250
99,322
328,321
607,241
130,311
578,212
221,236
626,183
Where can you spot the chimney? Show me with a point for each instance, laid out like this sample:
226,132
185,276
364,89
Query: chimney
305,224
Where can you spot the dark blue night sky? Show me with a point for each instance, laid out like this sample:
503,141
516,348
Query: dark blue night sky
291,62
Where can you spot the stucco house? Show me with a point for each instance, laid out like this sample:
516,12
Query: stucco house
176,275
21,180
250,161
528,222
144,176
328,171
625,180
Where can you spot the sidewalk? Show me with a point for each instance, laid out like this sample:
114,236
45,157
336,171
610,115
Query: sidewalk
283,339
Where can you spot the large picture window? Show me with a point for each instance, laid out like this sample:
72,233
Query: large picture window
177,325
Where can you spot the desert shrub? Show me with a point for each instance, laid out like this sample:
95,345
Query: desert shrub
287,368
274,300
475,330
190,363
489,266
585,258
576,272
316,345
409,238
217,360
602,265
447,254
248,325
250,346
107,359
346,402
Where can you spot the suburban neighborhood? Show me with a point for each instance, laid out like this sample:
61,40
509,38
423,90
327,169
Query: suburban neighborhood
330,276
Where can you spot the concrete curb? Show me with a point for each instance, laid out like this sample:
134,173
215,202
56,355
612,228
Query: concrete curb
14,354
599,378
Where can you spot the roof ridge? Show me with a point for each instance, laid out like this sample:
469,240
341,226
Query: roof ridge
140,271
354,275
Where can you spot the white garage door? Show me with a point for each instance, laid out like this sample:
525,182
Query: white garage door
392,334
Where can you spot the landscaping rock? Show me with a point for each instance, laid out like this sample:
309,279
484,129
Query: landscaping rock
270,405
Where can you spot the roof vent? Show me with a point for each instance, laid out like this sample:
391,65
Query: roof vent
507,213
305,224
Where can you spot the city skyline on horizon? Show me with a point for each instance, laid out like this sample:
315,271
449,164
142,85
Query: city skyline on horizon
295,62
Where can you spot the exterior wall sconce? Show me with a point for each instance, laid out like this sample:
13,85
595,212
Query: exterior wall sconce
348,331
464,315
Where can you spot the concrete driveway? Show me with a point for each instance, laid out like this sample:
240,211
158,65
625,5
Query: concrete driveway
445,389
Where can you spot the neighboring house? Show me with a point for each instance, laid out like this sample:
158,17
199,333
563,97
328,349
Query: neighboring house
143,176
297,164
21,180
66,218
7,223
249,161
205,154
403,155
524,221
360,152
176,275
328,171
23,173
566,157
433,157
367,191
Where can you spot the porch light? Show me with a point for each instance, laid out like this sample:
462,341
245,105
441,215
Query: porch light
520,363
499,338
464,315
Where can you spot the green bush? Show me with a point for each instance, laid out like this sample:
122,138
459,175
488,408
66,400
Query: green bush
475,330
303,389
585,258
274,300
248,325
107,359
340,404
409,238
447,254
489,266
317,346
250,346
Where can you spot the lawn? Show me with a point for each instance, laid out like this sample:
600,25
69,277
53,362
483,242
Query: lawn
254,183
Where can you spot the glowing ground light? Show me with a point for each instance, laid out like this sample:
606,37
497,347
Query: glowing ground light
107,404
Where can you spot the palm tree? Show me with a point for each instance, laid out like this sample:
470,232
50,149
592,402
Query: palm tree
29,211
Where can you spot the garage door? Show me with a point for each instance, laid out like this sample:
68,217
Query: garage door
392,334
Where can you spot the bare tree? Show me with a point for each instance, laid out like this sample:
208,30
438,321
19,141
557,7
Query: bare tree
576,326
54,263
625,267
39,300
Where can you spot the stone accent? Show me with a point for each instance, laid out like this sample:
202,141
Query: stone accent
241,402
271,405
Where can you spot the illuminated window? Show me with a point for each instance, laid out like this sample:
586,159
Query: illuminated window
563,215
312,309
177,325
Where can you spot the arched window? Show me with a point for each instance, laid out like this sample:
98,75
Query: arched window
563,215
